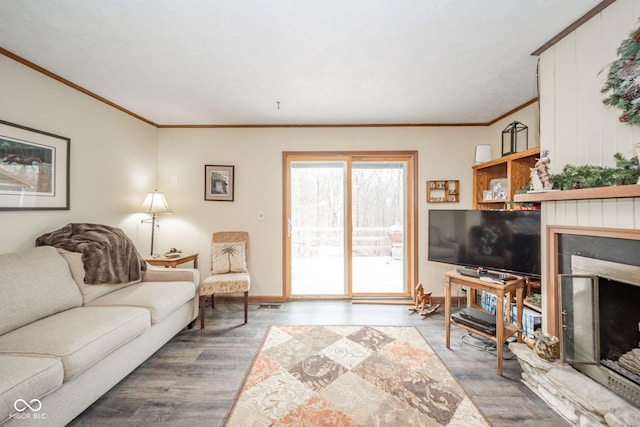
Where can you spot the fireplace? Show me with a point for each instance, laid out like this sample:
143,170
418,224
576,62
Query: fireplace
599,305
593,303
600,317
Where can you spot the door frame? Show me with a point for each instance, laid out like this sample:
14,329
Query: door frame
411,220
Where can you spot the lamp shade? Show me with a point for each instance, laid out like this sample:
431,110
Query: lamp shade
155,203
483,153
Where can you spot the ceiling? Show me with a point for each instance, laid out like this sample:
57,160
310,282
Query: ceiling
277,62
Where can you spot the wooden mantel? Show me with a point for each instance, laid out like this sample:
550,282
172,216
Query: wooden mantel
613,192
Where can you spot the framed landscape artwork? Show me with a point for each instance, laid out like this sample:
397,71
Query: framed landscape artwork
218,183
34,169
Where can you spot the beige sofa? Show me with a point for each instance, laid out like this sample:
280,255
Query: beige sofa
63,343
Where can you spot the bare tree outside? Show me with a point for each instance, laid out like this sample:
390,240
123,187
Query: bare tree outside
318,219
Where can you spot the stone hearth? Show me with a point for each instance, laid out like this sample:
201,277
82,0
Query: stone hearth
576,397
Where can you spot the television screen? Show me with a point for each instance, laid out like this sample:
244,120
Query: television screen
502,240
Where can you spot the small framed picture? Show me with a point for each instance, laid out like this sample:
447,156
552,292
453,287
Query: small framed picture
487,195
499,188
218,183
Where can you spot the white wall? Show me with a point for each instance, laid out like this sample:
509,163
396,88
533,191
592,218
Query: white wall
576,127
529,116
443,153
113,156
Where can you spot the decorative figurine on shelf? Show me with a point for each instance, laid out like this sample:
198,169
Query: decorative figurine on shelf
423,303
540,176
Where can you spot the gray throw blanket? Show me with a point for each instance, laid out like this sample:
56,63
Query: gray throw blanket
109,256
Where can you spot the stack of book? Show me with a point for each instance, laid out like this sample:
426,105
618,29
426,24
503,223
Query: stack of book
531,319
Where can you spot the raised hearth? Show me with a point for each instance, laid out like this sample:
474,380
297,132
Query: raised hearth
576,397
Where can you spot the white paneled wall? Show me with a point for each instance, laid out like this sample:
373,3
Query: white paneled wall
576,127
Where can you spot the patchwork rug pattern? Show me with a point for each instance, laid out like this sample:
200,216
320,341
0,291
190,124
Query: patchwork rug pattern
350,376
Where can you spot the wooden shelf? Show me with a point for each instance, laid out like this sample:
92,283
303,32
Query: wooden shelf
443,191
532,306
614,192
515,171
509,330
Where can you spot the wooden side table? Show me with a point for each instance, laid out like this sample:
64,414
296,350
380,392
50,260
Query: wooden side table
503,329
166,262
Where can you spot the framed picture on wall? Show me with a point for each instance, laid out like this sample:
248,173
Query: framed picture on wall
34,169
218,183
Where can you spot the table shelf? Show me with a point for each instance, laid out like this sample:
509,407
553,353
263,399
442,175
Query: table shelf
504,329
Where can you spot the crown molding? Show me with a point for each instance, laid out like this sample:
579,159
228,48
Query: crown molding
571,28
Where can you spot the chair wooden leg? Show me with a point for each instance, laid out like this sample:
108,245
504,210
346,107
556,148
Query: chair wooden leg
246,306
213,305
203,300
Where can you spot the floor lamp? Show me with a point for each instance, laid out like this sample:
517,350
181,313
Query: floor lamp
154,204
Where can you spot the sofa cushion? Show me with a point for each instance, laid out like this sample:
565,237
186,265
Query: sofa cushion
80,337
26,378
160,298
89,291
34,284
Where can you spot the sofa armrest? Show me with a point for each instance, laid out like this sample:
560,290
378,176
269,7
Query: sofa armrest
160,274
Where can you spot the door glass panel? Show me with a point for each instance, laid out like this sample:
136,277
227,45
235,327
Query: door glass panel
378,212
579,318
317,228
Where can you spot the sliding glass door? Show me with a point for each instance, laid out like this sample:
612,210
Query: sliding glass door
348,224
316,228
378,227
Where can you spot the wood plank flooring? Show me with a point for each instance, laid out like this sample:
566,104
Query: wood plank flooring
193,379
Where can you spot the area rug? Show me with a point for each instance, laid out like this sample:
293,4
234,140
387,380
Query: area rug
350,376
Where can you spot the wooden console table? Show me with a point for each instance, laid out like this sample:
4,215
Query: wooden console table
173,262
503,329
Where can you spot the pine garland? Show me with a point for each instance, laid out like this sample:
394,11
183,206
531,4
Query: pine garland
588,176
623,80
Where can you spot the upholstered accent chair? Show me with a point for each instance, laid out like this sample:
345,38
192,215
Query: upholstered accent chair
229,272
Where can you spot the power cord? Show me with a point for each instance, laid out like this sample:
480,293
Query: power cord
483,344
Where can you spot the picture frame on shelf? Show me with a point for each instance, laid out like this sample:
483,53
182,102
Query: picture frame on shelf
34,169
487,195
219,183
498,187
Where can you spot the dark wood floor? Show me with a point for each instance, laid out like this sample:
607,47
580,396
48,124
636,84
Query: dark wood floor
193,379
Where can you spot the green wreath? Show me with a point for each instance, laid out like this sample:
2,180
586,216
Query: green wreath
623,80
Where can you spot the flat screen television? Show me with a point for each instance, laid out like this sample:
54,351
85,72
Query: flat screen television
500,240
